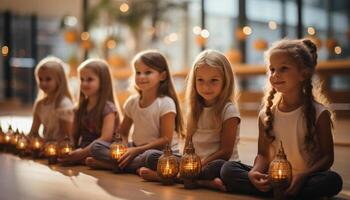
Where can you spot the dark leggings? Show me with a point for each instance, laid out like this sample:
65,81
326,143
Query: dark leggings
319,184
209,172
100,150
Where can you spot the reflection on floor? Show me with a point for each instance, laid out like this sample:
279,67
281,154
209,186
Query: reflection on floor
27,179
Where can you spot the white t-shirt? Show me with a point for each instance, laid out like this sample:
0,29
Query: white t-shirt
50,116
147,120
207,138
290,128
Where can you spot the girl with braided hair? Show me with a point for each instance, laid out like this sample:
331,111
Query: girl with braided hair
295,113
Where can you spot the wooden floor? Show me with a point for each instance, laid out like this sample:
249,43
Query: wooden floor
28,179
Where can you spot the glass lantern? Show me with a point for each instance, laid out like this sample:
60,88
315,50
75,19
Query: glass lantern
2,139
190,166
8,139
168,166
65,147
36,145
22,145
117,150
280,173
14,140
51,152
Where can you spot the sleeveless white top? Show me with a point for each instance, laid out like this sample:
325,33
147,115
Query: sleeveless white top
290,128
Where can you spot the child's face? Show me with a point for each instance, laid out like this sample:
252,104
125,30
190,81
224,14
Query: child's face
47,81
209,83
147,78
89,82
284,74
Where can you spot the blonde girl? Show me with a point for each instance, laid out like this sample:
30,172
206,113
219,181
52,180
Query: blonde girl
53,107
97,115
155,113
213,119
296,114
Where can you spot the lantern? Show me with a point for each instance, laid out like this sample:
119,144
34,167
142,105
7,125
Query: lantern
167,167
234,56
2,139
65,147
330,44
22,145
70,36
117,150
14,140
36,144
200,40
260,44
8,138
51,152
190,166
280,173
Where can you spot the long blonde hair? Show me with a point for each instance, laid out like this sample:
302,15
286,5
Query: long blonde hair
102,70
56,67
195,103
157,61
304,54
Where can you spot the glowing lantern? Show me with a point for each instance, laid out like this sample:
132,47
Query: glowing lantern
22,144
36,144
167,167
280,173
190,166
260,44
65,147
51,152
117,150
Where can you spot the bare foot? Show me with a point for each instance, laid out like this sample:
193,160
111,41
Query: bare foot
97,164
216,184
148,174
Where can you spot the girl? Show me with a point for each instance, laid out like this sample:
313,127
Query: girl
53,107
154,112
213,119
97,114
295,114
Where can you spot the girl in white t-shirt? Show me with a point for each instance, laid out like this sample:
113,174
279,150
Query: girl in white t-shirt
213,119
154,112
53,107
295,114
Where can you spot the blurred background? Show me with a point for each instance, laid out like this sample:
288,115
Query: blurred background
116,30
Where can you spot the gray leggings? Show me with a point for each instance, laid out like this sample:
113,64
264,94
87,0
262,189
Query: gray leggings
100,151
320,184
211,171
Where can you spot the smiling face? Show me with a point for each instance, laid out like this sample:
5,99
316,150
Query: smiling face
209,83
47,81
147,78
284,74
89,82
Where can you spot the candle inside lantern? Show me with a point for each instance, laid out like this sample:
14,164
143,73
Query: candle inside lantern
52,151
36,144
117,152
7,139
167,169
21,145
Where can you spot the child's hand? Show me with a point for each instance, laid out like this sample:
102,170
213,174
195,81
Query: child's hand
73,157
259,180
130,154
297,182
